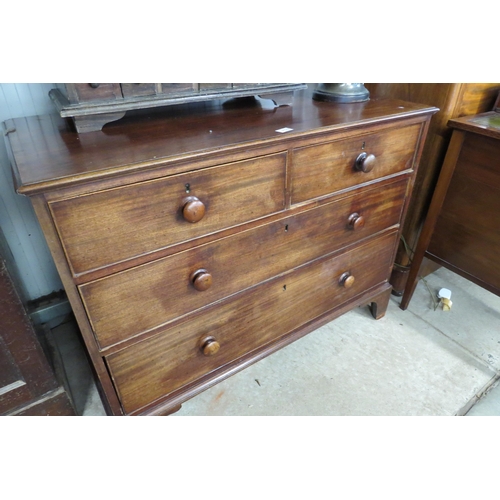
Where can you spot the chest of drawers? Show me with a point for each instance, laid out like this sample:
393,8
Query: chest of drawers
194,242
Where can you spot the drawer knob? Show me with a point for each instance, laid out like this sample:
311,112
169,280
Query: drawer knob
355,221
346,280
201,280
94,85
209,346
365,162
193,209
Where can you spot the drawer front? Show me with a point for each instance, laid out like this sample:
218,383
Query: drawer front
89,92
133,301
176,88
115,225
323,169
138,89
185,353
159,89
205,87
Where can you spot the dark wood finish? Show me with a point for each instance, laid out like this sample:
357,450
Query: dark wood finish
152,144
235,263
380,302
453,100
461,231
156,367
28,385
148,216
168,307
318,170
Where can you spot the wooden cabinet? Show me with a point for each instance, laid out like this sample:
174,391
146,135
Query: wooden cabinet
195,242
454,100
462,228
93,105
28,384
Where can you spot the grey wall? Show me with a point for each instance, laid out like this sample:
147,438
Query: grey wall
28,252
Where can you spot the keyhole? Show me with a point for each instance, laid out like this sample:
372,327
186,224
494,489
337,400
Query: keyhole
286,228
284,288
188,188
363,146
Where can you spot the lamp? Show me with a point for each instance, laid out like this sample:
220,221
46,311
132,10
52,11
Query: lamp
341,92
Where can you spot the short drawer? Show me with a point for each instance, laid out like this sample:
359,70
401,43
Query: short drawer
201,345
133,301
138,89
176,88
323,169
93,92
115,225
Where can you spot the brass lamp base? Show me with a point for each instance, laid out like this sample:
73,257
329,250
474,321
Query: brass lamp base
341,92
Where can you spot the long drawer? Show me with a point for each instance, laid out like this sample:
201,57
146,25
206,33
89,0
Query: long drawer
118,224
204,343
133,301
325,168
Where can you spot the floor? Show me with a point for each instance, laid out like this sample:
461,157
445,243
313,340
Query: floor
422,361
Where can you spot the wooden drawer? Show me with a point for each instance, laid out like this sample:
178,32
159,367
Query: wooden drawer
320,170
138,89
158,366
156,89
214,86
133,301
176,88
89,92
115,225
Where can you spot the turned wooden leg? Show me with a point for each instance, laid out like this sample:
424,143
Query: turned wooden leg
379,303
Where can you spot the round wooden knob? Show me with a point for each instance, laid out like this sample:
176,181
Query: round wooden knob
94,85
209,346
365,162
355,221
346,280
193,209
201,280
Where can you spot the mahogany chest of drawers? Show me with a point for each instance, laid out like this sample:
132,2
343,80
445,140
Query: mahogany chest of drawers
196,240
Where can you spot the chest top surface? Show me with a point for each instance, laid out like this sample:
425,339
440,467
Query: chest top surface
47,153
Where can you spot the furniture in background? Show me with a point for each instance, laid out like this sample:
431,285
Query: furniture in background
462,229
92,105
453,100
28,384
194,242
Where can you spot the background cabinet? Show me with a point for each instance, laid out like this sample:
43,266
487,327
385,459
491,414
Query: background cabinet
461,231
453,100
28,385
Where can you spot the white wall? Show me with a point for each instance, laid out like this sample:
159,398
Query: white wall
35,268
